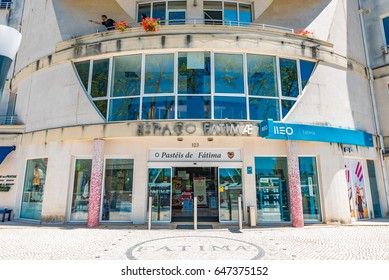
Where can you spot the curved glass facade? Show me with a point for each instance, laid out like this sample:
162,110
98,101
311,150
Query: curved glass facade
194,85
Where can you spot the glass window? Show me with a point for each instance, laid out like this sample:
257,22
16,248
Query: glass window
213,12
159,10
193,75
177,5
263,109
306,69
127,75
286,106
101,106
310,189
212,5
245,14
83,72
176,18
159,186
117,200
230,182
144,9
289,80
122,109
230,14
385,23
271,177
81,189
262,75
213,17
374,189
34,184
229,73
230,108
100,78
194,107
159,73
158,108
194,71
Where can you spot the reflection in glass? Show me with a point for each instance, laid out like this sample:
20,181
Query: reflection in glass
177,5
385,24
159,73
123,109
230,14
159,10
144,9
309,189
213,17
230,107
245,14
193,73
194,70
101,106
127,75
158,108
286,106
81,189
271,177
262,75
83,72
159,187
34,183
289,80
229,73
194,107
117,200
306,69
212,5
263,109
176,18
230,182
100,78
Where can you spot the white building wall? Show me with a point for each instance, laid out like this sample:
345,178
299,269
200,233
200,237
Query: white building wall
54,97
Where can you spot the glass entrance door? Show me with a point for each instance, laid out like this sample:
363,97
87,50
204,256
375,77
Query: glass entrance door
159,188
230,188
190,182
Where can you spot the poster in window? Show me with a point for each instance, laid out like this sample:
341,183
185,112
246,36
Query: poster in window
200,190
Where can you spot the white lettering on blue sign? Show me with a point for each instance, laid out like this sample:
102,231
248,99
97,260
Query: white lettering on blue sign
283,130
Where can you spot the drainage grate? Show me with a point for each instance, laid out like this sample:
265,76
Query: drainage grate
191,227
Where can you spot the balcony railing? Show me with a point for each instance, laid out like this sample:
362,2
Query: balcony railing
8,120
215,22
5,6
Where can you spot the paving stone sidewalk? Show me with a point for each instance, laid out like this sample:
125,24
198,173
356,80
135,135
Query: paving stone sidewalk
360,241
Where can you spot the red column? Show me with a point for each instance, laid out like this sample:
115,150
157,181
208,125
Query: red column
296,204
96,183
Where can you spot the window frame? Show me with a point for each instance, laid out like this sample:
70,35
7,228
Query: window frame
385,40
212,77
103,188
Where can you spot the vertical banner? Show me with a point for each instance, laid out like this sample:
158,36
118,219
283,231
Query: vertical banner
350,192
200,190
355,179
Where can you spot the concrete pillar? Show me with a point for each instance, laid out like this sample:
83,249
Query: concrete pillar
96,183
296,204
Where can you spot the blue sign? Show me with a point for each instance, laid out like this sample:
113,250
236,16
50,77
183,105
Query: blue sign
249,170
286,131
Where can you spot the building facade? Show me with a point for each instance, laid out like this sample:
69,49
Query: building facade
266,100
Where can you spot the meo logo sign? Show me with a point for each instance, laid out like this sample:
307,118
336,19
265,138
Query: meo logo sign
283,130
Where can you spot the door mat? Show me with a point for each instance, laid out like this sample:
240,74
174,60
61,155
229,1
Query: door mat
191,227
